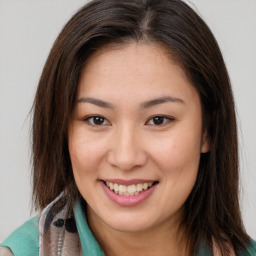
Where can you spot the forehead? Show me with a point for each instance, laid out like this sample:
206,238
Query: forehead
135,70
135,58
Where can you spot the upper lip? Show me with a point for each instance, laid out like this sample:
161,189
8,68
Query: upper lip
128,182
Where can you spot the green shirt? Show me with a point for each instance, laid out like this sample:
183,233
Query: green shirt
25,240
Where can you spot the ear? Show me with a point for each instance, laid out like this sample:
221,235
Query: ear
205,143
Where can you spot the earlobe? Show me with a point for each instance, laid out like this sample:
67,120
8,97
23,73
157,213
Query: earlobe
205,146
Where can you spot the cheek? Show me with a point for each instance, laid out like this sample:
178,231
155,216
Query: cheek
83,165
177,158
176,150
84,154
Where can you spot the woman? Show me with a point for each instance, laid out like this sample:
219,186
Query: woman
134,139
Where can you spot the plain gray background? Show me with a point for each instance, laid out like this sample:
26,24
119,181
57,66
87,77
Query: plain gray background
28,29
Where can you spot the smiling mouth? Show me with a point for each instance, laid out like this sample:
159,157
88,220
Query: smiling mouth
130,190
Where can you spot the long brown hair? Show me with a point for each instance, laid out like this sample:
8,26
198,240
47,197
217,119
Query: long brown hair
212,209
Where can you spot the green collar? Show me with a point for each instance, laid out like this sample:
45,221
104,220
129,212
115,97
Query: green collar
88,242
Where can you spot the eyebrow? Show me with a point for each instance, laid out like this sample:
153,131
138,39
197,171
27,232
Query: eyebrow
143,105
97,102
160,100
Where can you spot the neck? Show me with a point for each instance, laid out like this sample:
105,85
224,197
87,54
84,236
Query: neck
165,240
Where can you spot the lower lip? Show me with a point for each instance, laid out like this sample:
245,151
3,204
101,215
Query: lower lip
128,200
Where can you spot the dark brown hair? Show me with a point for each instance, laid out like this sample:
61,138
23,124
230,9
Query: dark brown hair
212,209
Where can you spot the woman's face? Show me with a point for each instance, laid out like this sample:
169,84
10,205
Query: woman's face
136,137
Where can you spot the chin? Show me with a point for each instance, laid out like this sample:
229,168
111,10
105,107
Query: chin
130,227
131,222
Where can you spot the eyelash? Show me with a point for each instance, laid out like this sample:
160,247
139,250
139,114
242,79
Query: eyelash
86,120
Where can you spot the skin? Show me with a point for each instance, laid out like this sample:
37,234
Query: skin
129,144
4,251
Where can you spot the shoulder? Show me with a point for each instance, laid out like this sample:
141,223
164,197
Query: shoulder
23,241
250,249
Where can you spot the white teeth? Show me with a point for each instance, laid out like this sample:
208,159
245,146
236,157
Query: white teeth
139,187
122,189
110,185
116,187
130,190
145,185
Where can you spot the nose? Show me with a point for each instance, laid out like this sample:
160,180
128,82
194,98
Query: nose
127,150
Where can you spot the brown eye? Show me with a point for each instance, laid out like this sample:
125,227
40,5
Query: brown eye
95,120
160,120
98,120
